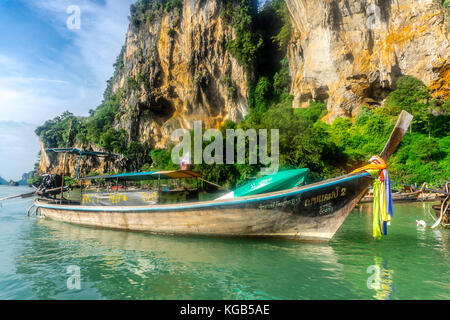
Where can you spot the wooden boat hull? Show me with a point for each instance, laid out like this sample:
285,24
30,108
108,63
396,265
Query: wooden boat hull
310,213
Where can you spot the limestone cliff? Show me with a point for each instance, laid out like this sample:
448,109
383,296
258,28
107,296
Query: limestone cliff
351,52
176,70
174,67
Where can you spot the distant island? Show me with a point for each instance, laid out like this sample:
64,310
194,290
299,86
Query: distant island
12,183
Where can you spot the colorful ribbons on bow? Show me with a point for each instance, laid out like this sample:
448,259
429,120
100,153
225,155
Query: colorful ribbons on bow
383,207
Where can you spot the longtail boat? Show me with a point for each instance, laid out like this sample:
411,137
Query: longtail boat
312,212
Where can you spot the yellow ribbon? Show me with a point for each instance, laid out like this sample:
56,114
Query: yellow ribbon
380,214
376,163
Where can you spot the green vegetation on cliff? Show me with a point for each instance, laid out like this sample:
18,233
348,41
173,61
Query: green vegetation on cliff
96,130
144,11
446,5
306,141
247,42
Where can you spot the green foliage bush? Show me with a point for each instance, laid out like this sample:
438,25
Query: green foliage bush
132,83
145,11
114,140
316,111
119,60
99,124
173,4
284,35
162,159
244,47
423,155
69,181
447,7
262,94
413,96
34,179
55,133
330,150
281,79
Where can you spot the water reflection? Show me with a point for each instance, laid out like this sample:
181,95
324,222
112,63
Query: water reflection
382,280
124,265
121,265
410,259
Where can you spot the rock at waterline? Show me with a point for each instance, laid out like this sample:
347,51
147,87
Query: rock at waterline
13,184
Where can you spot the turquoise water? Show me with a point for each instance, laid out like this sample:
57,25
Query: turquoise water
413,263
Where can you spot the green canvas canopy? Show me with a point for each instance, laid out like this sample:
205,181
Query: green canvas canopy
282,180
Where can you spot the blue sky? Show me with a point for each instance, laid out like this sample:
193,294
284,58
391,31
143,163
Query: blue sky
46,68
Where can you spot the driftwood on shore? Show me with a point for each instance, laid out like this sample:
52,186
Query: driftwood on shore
443,210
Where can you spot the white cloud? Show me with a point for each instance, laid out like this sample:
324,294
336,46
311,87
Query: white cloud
69,75
9,65
34,100
75,79
97,43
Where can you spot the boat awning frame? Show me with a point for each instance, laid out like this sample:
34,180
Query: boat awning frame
81,152
154,175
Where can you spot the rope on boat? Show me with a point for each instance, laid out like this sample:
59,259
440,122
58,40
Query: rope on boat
212,183
30,210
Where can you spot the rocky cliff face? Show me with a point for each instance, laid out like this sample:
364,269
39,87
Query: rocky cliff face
176,70
173,70
351,52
